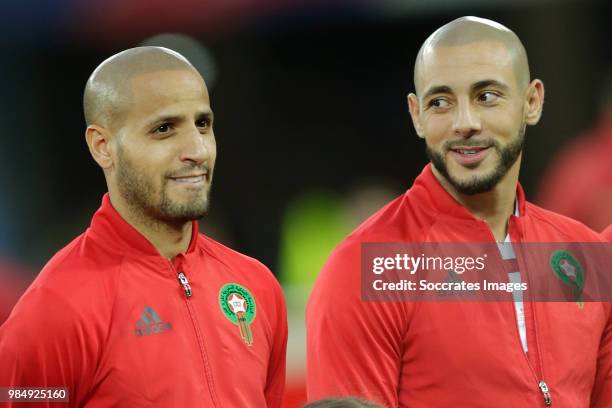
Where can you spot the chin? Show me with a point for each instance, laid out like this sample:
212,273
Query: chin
185,209
477,183
483,169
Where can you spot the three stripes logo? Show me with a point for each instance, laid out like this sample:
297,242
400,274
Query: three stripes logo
150,323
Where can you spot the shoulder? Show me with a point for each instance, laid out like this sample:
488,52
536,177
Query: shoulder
607,233
231,257
552,226
50,339
335,305
74,290
54,332
83,269
239,265
342,269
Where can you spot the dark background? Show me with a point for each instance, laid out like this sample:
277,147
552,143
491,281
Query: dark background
309,95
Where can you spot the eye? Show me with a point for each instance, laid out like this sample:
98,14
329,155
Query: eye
488,97
439,103
203,123
162,129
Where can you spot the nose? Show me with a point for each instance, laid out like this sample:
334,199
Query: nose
467,120
197,147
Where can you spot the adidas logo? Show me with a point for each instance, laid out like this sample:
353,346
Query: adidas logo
150,323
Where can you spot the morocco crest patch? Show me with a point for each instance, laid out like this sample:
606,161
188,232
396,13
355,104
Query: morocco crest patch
238,305
570,272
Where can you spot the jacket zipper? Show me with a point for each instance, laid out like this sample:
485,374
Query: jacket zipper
541,383
182,278
185,282
544,389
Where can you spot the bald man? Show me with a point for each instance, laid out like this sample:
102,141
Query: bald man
474,99
142,309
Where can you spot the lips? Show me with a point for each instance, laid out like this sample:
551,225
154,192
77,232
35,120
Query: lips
191,178
469,155
469,150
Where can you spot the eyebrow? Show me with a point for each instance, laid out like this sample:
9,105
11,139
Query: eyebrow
488,83
485,83
436,90
207,114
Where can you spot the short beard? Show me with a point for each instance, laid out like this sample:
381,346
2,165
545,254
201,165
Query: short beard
477,185
139,193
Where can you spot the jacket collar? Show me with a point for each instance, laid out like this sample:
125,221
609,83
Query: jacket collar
428,189
108,226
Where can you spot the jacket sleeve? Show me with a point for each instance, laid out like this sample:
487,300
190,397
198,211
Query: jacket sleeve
354,348
275,387
602,389
44,344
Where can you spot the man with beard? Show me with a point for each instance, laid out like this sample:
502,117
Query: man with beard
142,309
474,98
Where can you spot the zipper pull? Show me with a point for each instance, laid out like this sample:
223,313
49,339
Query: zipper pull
546,393
185,282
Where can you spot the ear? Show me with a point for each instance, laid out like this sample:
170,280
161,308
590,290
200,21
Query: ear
99,143
413,107
534,102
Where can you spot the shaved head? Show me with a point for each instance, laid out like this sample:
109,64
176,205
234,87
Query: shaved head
474,99
467,30
108,92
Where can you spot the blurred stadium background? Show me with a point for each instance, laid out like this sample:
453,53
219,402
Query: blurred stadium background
312,126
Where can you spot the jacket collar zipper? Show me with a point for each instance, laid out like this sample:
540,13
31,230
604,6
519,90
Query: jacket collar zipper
182,278
185,282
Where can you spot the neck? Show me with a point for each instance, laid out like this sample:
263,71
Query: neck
494,207
170,239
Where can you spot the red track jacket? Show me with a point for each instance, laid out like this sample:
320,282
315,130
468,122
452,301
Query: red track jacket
120,325
453,354
608,233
